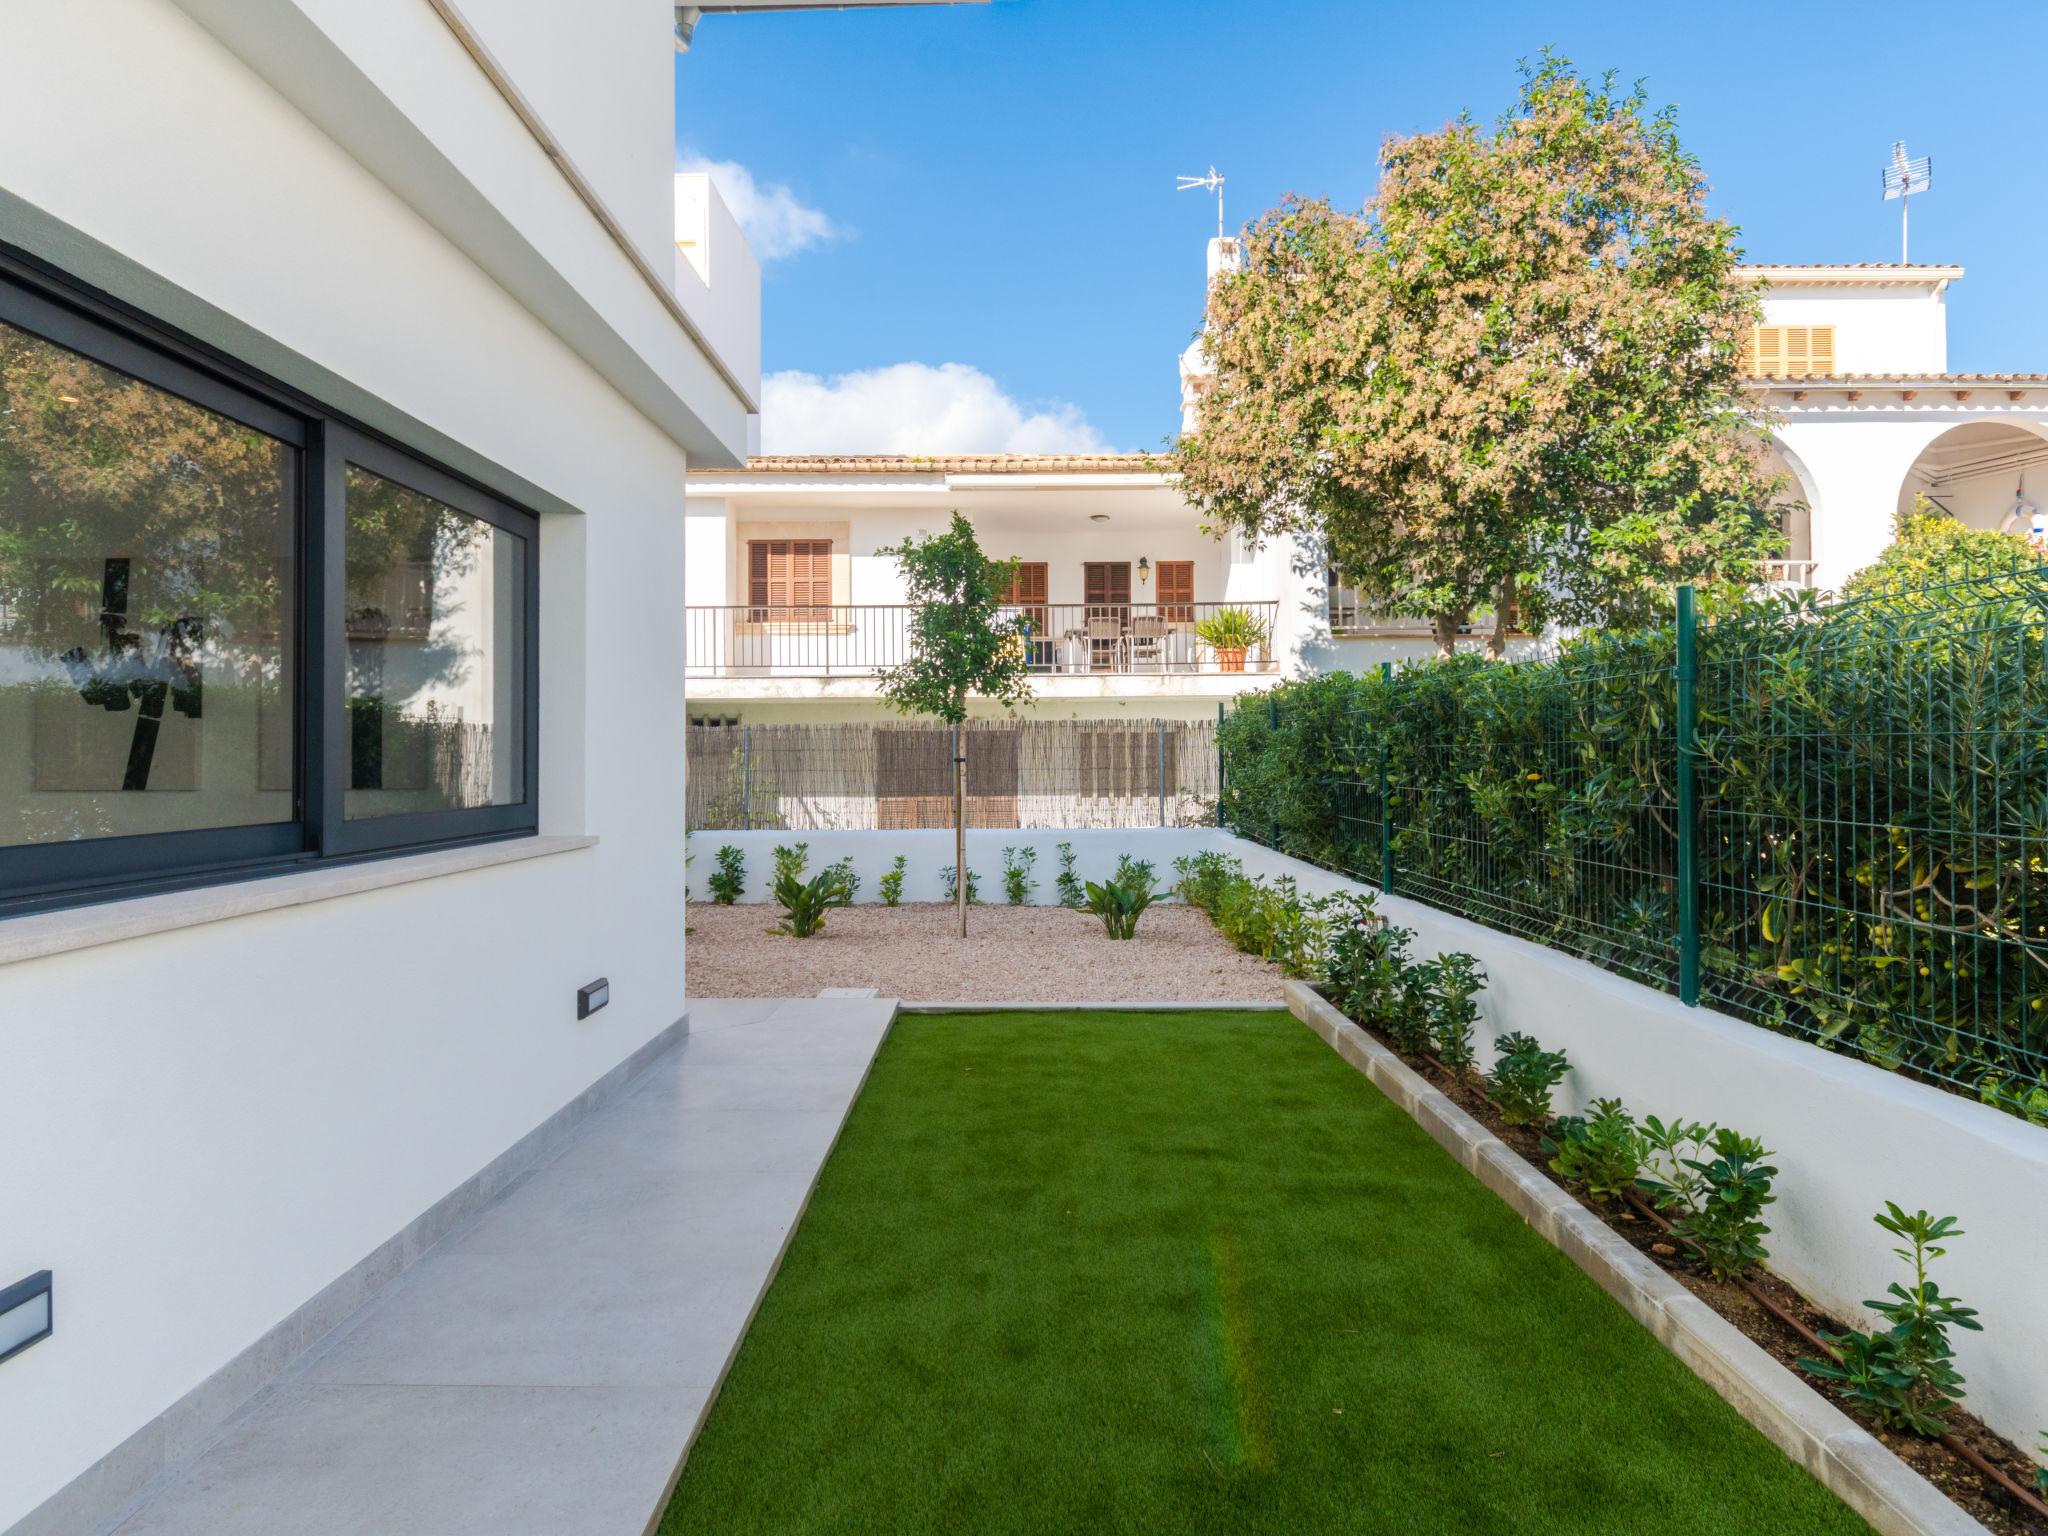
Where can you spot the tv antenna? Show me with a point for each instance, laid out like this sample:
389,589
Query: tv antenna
1211,183
1902,178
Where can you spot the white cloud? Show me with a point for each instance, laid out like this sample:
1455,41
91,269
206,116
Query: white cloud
777,223
913,408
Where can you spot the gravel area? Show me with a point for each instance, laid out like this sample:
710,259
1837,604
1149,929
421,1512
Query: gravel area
1010,954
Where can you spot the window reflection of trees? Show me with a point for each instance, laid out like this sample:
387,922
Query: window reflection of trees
146,560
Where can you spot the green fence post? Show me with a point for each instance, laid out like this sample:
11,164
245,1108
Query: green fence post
1273,721
1386,801
1220,823
1688,803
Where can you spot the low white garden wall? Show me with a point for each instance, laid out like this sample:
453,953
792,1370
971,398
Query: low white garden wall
1844,1135
1096,851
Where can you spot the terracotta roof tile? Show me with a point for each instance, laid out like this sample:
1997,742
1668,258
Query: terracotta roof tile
1909,380
948,464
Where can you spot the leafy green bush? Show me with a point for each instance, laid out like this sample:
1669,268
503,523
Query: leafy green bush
1069,882
791,859
1452,982
1201,878
1540,798
1137,873
892,883
1523,1075
1719,1207
1119,906
729,881
1904,1377
1018,883
1271,920
1602,1152
951,883
805,903
847,878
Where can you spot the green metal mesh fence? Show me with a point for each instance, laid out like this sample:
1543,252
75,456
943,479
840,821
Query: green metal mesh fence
1863,863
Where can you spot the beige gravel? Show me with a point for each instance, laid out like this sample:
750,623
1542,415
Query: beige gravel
1011,954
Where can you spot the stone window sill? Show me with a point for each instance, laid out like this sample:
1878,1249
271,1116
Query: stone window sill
52,933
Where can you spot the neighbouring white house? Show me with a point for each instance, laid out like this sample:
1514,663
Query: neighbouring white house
1866,418
351,360
793,606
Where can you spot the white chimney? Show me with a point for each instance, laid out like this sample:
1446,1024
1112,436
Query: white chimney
1195,368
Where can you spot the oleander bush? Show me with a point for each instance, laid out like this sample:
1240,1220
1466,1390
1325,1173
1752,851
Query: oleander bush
1870,875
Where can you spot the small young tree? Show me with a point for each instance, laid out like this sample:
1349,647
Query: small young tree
1513,379
960,645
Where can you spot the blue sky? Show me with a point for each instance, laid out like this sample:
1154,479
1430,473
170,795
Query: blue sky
992,186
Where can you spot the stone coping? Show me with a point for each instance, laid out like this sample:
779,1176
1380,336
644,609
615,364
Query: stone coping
1848,1460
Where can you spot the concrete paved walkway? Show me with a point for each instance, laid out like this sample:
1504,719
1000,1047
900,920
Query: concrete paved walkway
544,1367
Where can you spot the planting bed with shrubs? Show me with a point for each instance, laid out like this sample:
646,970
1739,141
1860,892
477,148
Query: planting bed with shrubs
1694,1198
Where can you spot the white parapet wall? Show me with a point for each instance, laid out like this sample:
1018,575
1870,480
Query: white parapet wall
925,853
1845,1137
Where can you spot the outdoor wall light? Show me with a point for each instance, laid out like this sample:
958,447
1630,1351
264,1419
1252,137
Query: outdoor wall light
1144,569
1098,517
25,1316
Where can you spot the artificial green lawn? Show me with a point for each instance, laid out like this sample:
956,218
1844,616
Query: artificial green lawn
1188,1272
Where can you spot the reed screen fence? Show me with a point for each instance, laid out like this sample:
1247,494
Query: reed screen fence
1039,773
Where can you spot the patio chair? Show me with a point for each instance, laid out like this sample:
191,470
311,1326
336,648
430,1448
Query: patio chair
1105,632
1146,646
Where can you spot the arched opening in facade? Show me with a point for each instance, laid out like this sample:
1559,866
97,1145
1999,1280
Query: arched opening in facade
1985,474
1795,503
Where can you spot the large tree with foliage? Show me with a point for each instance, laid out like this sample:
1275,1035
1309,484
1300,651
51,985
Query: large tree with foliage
1514,375
960,646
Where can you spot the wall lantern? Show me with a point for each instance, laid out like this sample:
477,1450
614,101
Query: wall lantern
1144,569
25,1314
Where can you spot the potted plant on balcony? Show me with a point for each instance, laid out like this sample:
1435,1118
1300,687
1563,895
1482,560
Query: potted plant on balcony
1230,632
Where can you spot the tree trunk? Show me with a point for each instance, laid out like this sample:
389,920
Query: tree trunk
960,825
1445,629
1497,642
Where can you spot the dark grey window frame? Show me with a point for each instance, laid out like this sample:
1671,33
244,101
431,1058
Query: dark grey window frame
41,876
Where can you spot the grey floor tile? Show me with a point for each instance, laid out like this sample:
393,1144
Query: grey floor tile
543,1368
435,1461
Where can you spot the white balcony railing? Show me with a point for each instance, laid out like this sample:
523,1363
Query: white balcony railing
1074,639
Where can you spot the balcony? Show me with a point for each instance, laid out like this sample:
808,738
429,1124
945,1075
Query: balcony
1788,575
1110,643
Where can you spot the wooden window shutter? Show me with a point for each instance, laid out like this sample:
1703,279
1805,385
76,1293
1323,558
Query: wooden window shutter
1789,351
789,574
1177,590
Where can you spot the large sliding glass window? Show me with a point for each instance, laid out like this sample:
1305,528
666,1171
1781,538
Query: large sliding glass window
234,631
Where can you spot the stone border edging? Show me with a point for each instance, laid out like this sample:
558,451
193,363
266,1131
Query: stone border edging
1847,1459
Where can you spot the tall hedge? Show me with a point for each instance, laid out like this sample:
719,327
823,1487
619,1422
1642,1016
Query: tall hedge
1873,830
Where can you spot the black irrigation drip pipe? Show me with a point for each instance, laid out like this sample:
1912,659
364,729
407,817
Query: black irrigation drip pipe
1951,1442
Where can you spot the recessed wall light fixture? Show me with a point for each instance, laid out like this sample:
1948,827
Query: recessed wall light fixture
25,1316
1098,517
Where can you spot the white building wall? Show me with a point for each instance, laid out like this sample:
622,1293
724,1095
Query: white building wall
203,1127
602,77
1893,330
